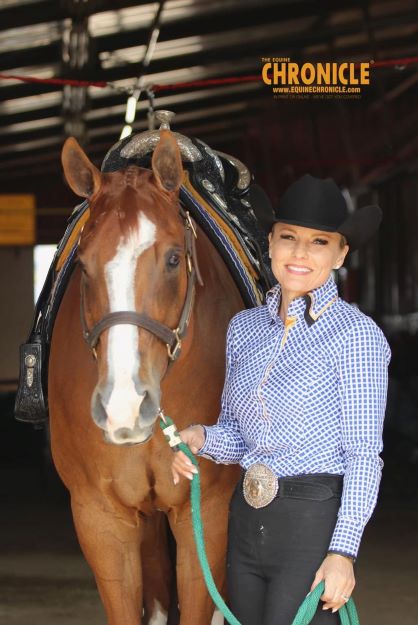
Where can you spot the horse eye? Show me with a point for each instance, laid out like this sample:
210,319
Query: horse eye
173,260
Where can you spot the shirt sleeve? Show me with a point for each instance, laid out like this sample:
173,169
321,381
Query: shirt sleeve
363,369
224,442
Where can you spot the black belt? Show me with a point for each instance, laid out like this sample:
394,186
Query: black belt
312,486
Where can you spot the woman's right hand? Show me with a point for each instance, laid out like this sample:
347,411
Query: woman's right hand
194,437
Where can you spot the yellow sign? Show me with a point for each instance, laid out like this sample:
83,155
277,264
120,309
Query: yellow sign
17,219
288,78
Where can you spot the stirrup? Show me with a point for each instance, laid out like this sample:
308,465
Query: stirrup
31,399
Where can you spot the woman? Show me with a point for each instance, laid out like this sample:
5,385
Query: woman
302,412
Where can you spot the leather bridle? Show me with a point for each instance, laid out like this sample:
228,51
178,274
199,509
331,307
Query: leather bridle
171,337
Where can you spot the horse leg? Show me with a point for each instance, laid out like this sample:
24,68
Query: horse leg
110,538
196,606
158,572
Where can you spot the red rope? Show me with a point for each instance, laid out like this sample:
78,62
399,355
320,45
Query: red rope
55,81
411,60
101,84
206,83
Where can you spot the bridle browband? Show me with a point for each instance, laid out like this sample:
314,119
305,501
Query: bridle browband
171,337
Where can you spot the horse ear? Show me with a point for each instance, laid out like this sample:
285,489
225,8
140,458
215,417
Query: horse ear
166,162
82,176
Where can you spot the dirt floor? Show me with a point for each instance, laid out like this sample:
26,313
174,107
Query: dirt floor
45,581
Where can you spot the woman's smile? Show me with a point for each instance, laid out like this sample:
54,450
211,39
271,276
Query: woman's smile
298,269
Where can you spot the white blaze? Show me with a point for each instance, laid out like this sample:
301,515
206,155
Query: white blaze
122,351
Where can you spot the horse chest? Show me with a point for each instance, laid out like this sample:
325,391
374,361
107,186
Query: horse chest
138,485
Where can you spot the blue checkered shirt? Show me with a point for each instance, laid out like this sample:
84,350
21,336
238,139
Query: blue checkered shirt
307,396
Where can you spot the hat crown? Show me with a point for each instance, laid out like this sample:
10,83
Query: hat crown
313,201
318,204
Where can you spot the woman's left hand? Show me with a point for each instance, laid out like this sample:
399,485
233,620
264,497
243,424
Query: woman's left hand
338,574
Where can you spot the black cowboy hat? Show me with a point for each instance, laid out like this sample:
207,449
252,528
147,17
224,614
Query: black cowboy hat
318,204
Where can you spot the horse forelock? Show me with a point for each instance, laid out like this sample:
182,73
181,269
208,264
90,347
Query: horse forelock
123,195
131,175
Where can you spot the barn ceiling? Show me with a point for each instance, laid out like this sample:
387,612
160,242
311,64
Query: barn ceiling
106,40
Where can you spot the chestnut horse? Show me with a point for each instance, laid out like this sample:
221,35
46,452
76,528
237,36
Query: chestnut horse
132,258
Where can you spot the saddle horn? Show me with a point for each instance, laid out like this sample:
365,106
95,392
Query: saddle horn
144,143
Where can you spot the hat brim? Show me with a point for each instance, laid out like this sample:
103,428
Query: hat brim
358,228
361,225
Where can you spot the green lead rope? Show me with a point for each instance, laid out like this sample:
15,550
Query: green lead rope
306,612
175,441
348,613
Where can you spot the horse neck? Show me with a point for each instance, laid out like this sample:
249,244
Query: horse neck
219,297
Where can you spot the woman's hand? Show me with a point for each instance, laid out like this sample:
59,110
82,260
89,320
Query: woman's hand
194,437
338,574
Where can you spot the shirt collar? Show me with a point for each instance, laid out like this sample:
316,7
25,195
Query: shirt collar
311,305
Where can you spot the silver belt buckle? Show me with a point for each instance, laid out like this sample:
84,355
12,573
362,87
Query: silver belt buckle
260,485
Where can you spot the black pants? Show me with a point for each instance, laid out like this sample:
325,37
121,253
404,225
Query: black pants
274,552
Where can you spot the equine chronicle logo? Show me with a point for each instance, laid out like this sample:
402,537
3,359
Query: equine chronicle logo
290,80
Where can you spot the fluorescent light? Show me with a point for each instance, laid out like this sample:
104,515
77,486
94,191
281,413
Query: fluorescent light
131,109
127,130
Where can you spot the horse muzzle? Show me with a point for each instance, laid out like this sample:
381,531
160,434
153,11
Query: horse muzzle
127,417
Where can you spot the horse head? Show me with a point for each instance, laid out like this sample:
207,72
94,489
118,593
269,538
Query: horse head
136,278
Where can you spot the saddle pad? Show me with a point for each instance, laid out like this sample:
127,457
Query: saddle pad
225,241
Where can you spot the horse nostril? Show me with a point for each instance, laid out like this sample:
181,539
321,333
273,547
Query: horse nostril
149,407
145,399
98,410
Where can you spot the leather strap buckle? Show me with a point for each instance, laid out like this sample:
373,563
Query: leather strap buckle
174,352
